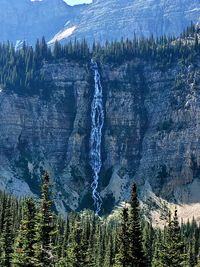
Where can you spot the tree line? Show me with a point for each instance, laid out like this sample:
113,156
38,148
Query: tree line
20,69
32,235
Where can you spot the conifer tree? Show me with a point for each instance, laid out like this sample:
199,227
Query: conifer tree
44,251
192,261
76,252
64,244
2,213
158,242
90,237
7,236
173,254
99,240
57,50
108,257
136,252
1,251
24,246
148,234
123,256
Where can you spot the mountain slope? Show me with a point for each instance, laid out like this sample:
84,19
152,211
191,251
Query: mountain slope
27,20
114,19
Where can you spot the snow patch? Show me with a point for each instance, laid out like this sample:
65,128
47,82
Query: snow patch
67,23
30,167
193,10
62,35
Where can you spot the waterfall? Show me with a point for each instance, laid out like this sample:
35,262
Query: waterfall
97,121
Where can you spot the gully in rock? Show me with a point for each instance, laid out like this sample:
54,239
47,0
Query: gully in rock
97,118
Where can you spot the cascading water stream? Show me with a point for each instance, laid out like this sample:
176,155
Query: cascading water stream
97,117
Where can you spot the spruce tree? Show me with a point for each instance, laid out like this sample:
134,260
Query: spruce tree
123,257
192,260
99,240
76,252
136,252
108,257
8,235
90,237
156,261
148,234
43,248
24,246
173,248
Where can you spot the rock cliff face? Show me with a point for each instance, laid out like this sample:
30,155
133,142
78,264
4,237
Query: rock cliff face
116,19
102,20
151,134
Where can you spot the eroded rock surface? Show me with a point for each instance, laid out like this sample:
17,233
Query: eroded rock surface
151,133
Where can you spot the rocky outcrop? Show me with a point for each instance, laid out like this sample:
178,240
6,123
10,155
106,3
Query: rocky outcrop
151,134
171,143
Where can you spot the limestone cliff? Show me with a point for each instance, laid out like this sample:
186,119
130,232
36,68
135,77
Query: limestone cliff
151,133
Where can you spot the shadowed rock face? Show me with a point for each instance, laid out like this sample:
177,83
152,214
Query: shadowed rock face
102,20
151,133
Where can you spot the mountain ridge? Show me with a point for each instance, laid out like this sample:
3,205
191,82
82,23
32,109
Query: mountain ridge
28,21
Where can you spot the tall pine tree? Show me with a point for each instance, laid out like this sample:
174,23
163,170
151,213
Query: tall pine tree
8,235
44,251
136,252
24,246
173,248
123,255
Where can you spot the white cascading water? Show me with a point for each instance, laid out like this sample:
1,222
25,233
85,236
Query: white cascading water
97,117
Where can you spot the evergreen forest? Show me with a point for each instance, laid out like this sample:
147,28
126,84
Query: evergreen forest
20,69
32,234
